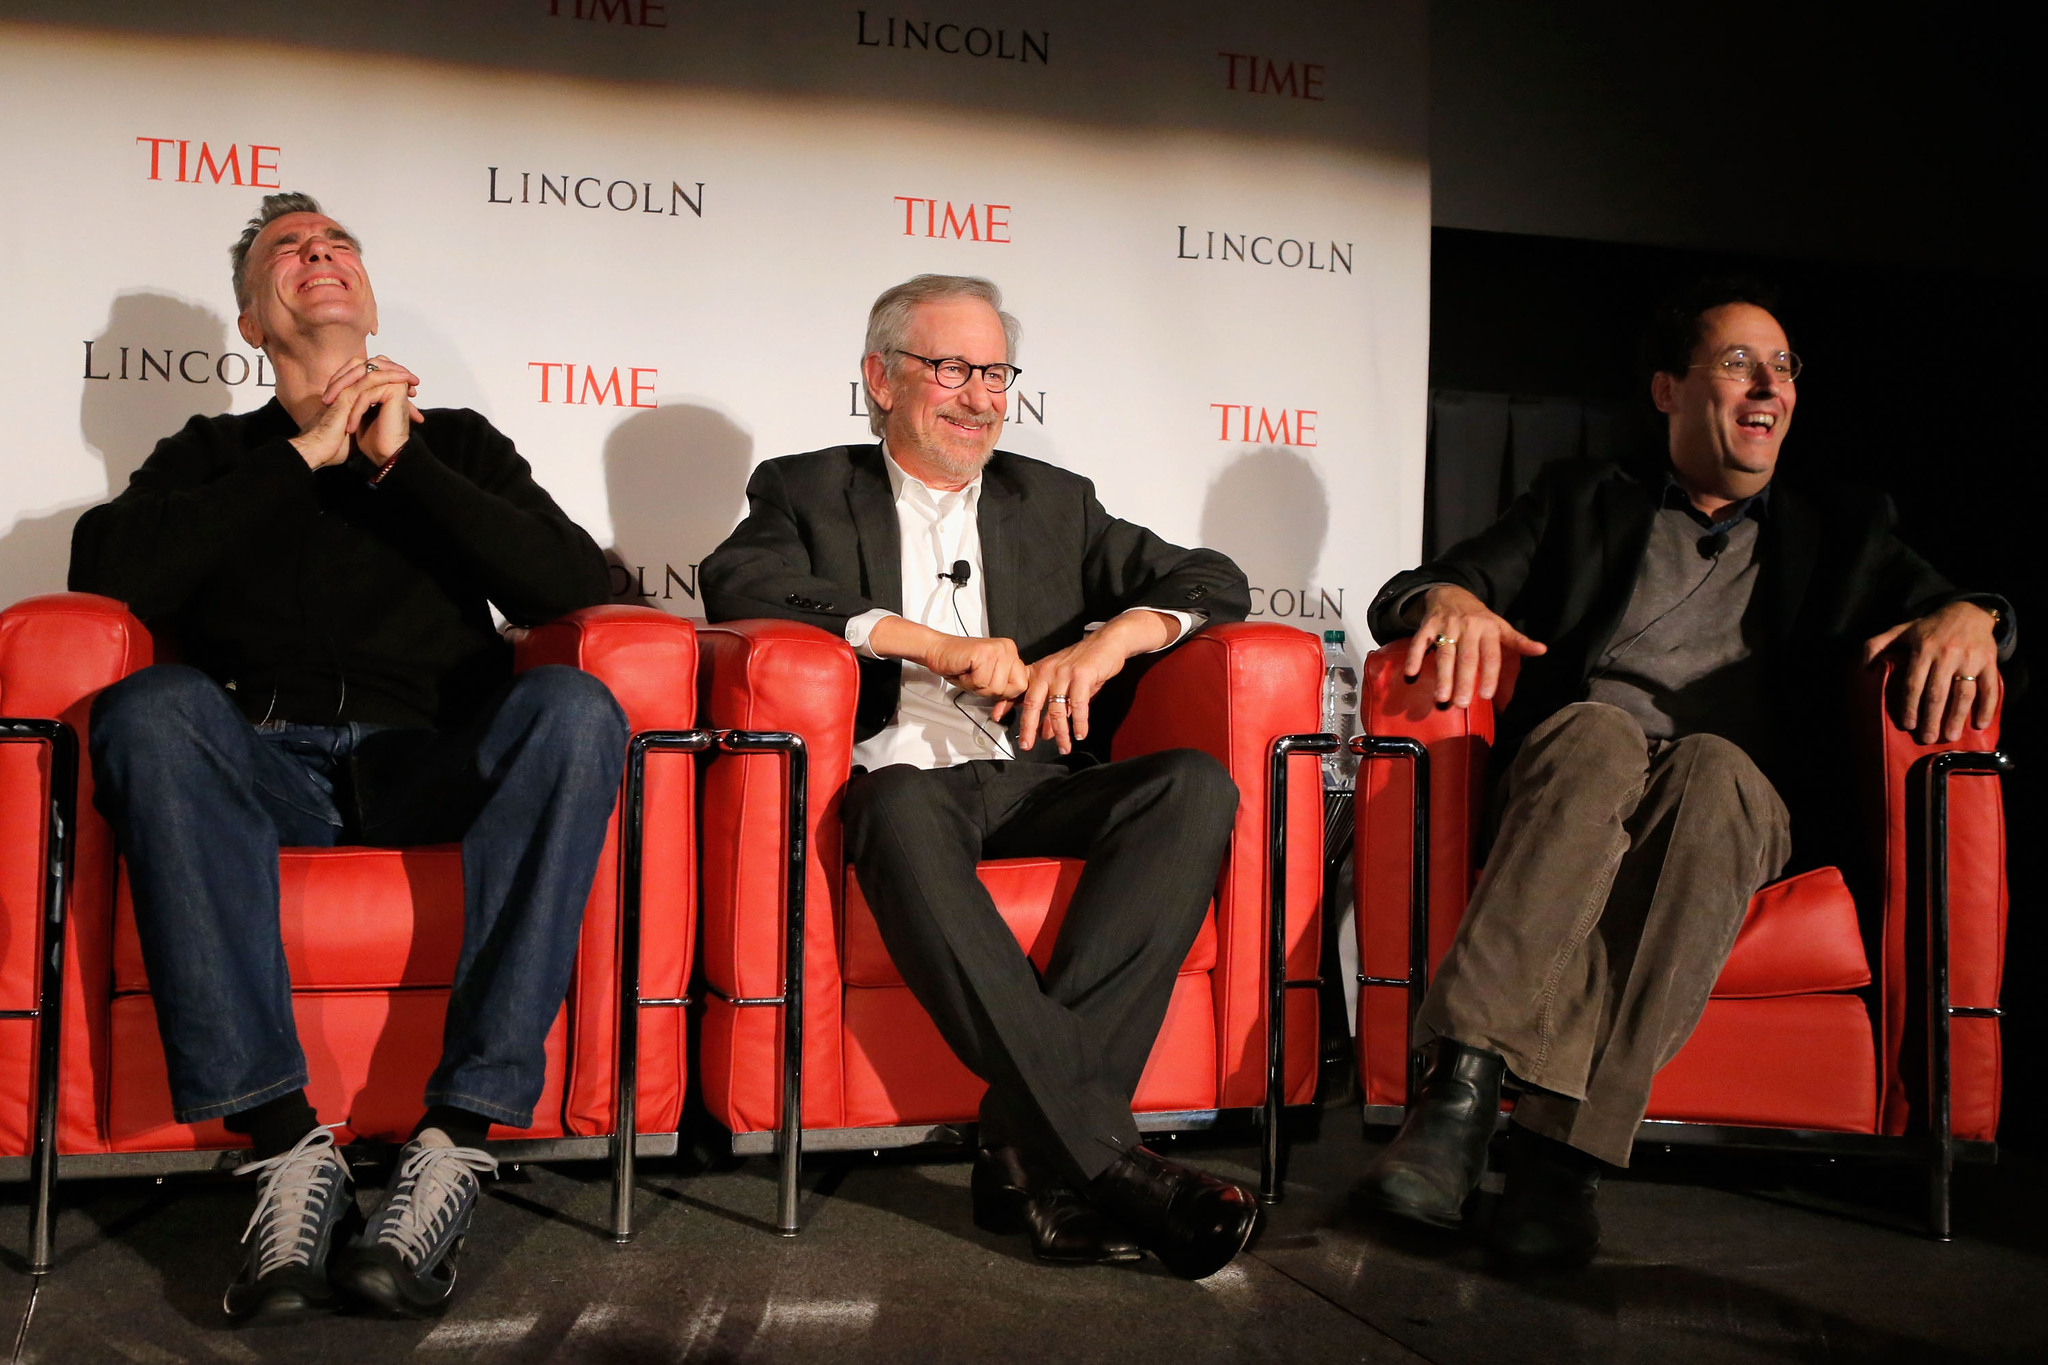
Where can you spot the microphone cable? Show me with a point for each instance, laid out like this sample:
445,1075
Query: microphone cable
1709,547
962,571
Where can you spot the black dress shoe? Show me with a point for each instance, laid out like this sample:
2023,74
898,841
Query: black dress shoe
1546,1220
1012,1195
1434,1163
1191,1220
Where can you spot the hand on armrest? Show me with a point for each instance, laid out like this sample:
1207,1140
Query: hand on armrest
1947,671
1469,639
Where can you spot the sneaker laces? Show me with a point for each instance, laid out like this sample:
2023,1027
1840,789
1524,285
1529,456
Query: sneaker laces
291,1203
433,1186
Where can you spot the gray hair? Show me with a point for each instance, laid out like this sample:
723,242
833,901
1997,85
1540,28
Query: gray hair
889,322
275,206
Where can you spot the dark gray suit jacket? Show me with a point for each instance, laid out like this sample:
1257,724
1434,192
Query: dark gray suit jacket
820,545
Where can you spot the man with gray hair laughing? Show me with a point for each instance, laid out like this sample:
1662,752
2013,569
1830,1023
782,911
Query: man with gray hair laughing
988,598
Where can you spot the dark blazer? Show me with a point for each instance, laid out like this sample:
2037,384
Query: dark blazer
1561,563
820,545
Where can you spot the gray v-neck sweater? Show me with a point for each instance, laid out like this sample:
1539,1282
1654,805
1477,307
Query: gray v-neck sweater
1678,663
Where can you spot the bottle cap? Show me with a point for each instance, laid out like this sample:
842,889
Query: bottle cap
1333,637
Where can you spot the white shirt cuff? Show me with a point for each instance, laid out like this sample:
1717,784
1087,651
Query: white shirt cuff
858,629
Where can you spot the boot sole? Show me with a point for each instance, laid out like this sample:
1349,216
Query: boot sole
1430,1215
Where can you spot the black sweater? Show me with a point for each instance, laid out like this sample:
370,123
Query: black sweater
315,597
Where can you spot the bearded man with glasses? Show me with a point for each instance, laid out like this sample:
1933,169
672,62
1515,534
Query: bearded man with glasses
989,597
1676,617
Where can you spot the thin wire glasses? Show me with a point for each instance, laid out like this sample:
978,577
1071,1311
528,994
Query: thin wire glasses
1741,364
953,372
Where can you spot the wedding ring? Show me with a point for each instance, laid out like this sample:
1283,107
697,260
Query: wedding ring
1966,677
1060,699
1446,641
370,365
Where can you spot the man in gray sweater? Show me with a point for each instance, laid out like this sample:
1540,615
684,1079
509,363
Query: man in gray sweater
1675,622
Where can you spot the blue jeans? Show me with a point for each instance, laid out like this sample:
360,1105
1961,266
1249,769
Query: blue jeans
200,800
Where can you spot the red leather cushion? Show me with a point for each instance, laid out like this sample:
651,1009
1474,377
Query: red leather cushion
353,918
1800,936
1031,894
898,1069
1803,1061
366,1065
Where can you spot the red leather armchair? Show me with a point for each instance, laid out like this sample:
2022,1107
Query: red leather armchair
371,935
874,1071
1816,1034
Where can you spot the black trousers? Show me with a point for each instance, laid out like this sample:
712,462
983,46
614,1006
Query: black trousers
1063,1053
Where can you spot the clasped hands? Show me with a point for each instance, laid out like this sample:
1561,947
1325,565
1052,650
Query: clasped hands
366,383
1050,696
1947,673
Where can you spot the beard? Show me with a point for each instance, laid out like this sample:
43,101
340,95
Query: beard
948,458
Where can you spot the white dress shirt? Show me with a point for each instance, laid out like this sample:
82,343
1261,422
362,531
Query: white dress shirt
938,725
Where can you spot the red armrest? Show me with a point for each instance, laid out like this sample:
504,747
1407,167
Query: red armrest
777,676
56,652
1459,741
647,658
1888,764
59,649
1230,690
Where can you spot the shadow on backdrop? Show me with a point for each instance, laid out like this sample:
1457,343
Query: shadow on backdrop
121,420
676,481
1270,512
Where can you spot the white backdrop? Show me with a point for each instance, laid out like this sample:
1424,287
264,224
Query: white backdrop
1121,150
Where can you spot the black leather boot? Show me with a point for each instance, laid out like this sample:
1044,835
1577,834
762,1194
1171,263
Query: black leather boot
1434,1163
1013,1194
1192,1221
1546,1219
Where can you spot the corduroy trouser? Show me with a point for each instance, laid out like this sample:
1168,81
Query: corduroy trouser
1618,880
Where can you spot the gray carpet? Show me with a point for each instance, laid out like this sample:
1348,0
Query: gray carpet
1709,1257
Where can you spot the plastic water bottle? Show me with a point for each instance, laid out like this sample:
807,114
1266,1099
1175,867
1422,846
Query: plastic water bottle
1340,711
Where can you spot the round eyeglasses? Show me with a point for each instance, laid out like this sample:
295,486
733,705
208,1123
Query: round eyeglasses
1742,364
953,372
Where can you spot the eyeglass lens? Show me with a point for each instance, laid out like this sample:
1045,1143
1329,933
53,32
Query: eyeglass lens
953,374
1739,362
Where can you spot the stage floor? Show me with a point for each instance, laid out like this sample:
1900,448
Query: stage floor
1708,1257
